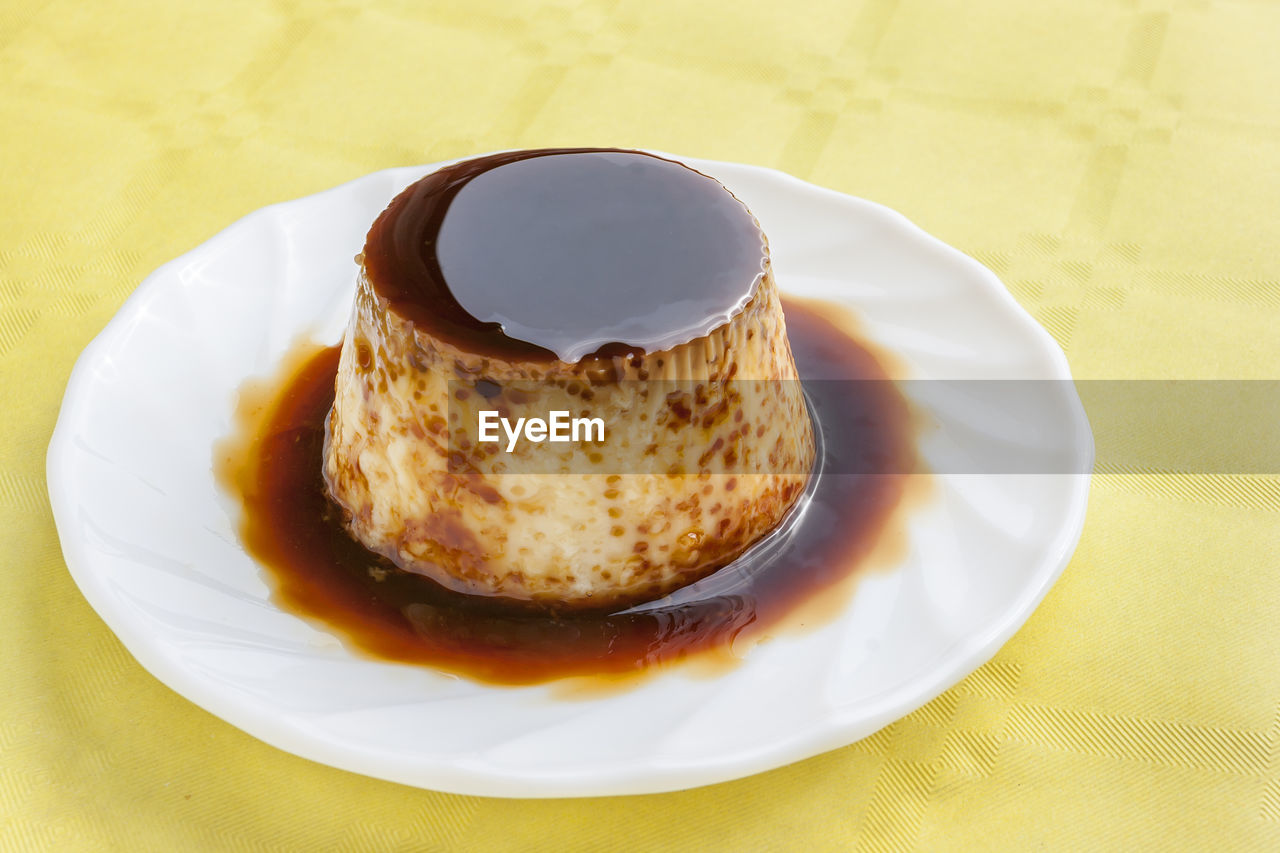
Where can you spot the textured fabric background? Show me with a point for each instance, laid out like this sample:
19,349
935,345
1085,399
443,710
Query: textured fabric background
1116,163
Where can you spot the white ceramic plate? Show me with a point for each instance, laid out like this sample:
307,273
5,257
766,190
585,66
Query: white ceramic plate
151,542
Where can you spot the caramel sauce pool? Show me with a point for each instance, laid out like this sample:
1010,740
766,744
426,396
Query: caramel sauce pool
319,572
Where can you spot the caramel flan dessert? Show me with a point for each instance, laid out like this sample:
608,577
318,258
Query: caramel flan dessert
622,288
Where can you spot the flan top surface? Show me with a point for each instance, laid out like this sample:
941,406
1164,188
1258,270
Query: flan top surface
560,253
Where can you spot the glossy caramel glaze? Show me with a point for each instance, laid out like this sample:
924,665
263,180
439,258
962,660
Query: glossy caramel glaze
556,253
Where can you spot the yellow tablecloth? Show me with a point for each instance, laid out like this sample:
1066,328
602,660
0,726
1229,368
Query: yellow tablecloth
1116,163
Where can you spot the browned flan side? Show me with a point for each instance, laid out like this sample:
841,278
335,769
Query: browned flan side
700,459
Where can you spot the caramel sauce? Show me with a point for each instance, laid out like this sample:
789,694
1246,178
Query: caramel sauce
318,571
565,253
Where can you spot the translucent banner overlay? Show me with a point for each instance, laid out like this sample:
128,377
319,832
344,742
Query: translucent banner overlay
866,427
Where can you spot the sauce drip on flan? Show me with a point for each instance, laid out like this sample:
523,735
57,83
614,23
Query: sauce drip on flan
565,253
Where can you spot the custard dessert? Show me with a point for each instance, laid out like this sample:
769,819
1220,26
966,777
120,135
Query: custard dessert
616,285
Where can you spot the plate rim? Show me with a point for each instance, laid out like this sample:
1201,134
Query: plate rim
968,654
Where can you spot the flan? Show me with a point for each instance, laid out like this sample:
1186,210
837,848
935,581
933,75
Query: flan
614,285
